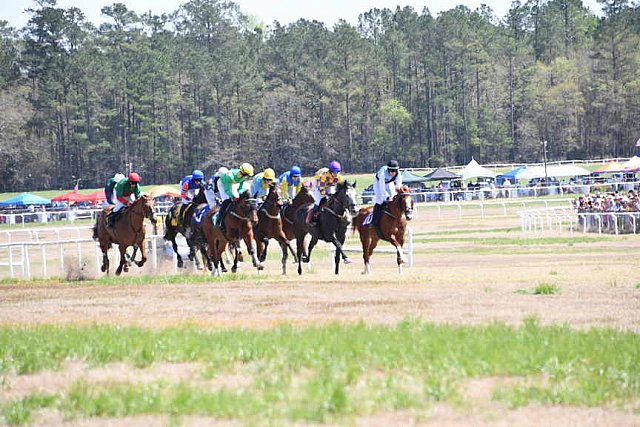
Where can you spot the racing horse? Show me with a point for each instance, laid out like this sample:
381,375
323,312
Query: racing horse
393,223
238,225
333,221
127,231
191,232
270,226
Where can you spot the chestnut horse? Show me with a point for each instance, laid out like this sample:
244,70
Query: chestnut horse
332,223
238,225
270,226
393,223
127,231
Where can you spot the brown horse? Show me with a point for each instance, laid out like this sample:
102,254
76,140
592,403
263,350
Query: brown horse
393,222
289,212
127,231
192,232
238,225
270,226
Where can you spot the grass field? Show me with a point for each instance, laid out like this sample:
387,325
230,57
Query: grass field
492,326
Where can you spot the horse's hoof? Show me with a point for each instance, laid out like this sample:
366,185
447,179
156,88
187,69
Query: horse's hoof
140,263
234,269
118,272
126,268
347,261
305,259
180,263
103,268
260,267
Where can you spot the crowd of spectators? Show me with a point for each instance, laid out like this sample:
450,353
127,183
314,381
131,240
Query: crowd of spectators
616,212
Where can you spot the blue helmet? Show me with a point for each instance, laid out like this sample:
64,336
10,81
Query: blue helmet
197,174
295,171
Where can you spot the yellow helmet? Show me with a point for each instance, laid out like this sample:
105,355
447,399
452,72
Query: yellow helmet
246,169
269,174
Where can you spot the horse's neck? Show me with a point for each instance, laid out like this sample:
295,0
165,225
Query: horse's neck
336,205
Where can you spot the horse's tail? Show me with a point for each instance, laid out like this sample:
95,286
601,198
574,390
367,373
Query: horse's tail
167,224
354,224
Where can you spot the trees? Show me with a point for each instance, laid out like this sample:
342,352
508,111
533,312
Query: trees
206,86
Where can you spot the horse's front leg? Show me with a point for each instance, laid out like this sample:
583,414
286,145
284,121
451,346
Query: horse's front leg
105,262
251,248
312,244
143,254
400,259
234,268
123,260
174,245
339,252
284,246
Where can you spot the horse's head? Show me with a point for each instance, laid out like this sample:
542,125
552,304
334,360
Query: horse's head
275,195
347,196
303,197
404,199
247,207
145,205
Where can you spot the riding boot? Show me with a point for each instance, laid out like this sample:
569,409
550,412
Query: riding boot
377,214
223,211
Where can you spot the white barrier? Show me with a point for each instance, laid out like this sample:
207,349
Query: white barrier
21,257
481,206
559,219
408,251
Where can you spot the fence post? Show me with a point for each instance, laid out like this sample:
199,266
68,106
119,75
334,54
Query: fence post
25,260
43,252
410,246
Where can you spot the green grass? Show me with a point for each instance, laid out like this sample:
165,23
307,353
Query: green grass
540,289
325,373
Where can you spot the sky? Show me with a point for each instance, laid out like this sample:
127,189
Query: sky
267,11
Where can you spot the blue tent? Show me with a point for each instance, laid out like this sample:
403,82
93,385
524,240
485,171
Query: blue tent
511,175
24,199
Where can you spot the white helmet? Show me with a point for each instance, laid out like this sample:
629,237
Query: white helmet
222,171
118,177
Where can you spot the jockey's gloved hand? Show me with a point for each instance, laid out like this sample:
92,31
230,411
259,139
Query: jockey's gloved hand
235,199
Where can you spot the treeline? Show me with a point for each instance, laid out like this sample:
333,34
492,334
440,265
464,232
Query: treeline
207,86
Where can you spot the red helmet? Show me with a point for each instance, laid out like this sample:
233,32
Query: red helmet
133,177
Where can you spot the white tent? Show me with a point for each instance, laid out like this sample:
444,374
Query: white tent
474,170
554,171
631,165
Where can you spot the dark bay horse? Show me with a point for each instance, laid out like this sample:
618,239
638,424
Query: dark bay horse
332,223
191,232
288,213
238,225
393,223
127,231
270,226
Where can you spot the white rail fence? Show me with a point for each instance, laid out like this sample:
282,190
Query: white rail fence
568,219
488,209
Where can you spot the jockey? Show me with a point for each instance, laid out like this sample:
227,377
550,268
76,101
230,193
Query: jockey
124,191
230,185
109,187
322,181
190,186
385,185
211,191
261,183
291,182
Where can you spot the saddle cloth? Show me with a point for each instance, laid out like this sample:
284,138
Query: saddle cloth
197,218
369,219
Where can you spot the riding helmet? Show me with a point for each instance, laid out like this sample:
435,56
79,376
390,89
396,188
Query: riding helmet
246,169
295,171
269,174
133,177
334,166
197,174
393,165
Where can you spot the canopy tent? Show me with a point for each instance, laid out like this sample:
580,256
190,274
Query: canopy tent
631,165
163,190
555,171
515,173
474,170
24,199
72,196
609,168
96,196
411,178
441,174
